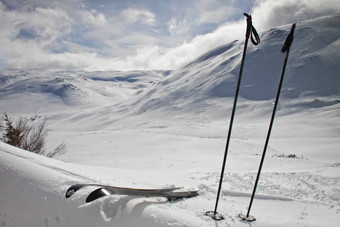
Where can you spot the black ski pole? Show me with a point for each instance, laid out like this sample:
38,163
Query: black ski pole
285,48
249,32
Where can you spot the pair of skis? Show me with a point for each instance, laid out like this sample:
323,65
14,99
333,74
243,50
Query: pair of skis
285,49
171,194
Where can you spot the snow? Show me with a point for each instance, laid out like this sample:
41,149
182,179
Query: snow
155,129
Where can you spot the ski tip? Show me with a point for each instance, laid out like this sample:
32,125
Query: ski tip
172,196
69,193
71,190
193,193
96,194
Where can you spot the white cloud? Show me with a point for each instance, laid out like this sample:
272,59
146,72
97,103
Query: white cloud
266,14
214,11
178,27
270,14
47,23
94,40
157,57
93,18
41,25
143,16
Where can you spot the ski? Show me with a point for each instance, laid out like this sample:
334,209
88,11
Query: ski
170,195
74,188
105,190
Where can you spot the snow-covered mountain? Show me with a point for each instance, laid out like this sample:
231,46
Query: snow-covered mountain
154,129
48,91
313,69
312,73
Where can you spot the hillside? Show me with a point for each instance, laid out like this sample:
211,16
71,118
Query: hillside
312,72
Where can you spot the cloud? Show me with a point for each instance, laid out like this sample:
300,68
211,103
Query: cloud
132,15
157,57
44,24
29,5
68,34
270,14
266,14
214,11
178,27
93,18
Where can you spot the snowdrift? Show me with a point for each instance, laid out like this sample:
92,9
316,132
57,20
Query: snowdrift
33,194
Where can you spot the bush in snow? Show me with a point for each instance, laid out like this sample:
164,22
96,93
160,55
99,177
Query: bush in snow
288,156
28,134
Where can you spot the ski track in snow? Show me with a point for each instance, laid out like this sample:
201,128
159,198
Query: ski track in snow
304,187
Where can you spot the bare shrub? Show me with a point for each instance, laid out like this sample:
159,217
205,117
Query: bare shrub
29,135
61,149
288,156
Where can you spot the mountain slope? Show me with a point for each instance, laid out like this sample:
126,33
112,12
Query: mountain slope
313,69
50,91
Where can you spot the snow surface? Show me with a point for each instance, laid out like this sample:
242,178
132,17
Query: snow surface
152,129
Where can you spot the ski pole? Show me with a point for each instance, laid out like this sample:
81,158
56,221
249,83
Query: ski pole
255,40
285,48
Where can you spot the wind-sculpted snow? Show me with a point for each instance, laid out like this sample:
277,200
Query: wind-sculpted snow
34,189
214,53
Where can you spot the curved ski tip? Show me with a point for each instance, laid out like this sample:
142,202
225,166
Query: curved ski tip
173,196
69,193
71,190
96,194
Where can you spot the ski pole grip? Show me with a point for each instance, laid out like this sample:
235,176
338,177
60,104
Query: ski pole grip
251,31
249,25
289,39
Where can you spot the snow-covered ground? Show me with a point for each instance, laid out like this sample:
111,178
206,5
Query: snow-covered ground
152,129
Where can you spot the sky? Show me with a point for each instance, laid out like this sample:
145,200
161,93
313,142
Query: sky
102,35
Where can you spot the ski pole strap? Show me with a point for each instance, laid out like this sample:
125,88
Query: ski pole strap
255,41
251,31
289,40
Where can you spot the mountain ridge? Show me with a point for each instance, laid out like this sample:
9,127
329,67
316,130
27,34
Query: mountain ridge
213,75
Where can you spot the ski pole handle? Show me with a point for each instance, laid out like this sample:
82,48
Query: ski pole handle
249,25
289,40
251,31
